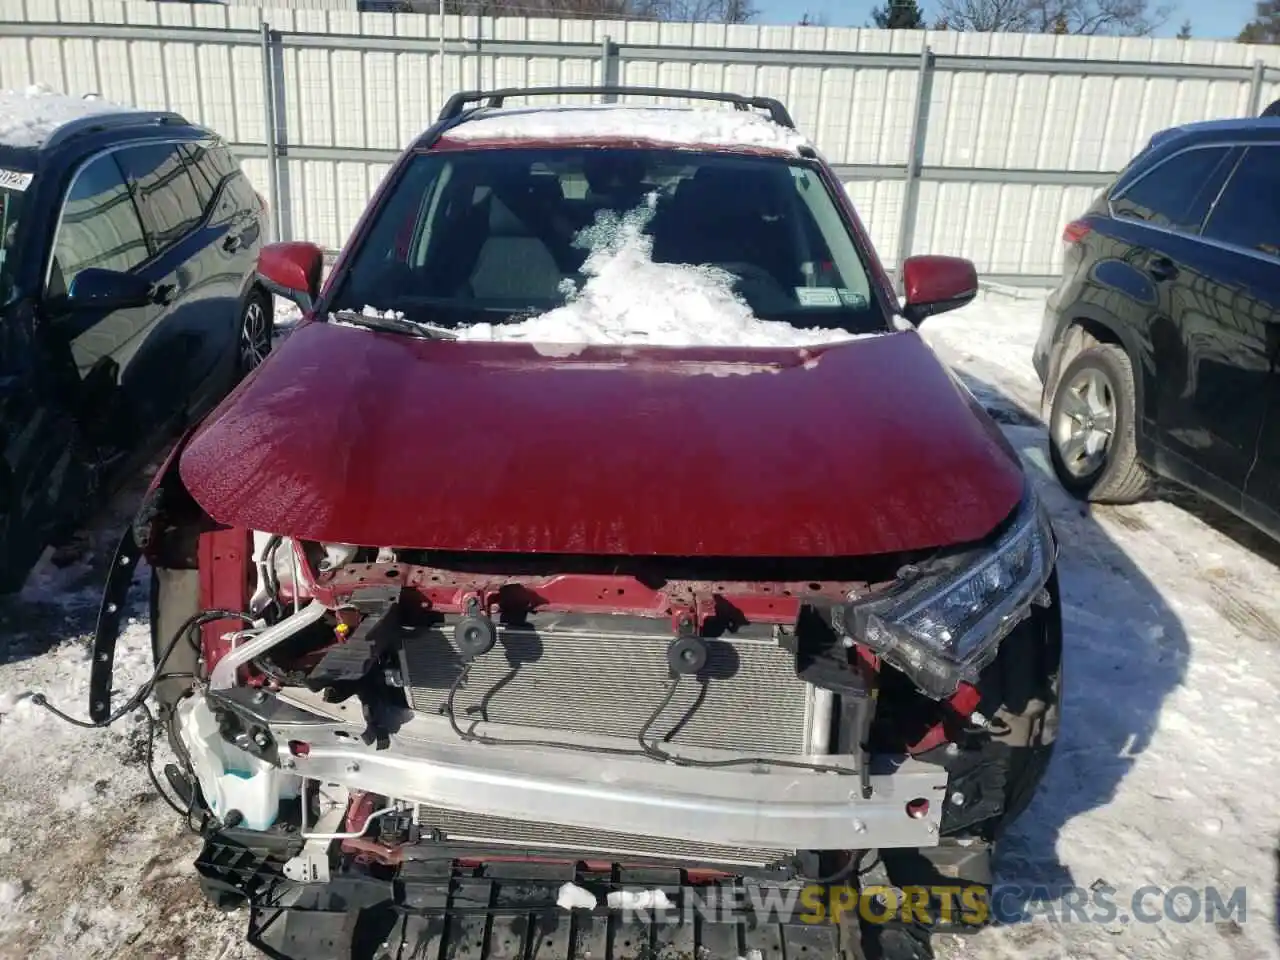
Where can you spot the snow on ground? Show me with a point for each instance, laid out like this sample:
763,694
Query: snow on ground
1164,774
671,125
28,117
1169,746
92,863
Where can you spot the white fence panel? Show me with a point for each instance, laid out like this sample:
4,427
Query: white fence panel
1013,134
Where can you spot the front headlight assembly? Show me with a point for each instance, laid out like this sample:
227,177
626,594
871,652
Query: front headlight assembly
944,620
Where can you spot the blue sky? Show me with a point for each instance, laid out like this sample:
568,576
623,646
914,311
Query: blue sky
1210,19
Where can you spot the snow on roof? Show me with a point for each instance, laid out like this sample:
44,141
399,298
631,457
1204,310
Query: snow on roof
675,125
29,117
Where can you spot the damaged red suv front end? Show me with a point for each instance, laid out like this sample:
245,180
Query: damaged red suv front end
471,621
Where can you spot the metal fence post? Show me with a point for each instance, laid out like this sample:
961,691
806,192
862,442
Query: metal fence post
915,159
609,67
1255,88
269,111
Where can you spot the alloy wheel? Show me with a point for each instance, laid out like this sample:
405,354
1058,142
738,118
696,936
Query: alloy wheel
255,336
1085,422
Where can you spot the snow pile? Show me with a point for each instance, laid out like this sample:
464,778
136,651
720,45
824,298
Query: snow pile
677,126
29,117
574,897
630,299
639,900
10,893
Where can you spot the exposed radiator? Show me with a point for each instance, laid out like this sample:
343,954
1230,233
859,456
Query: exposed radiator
605,675
476,828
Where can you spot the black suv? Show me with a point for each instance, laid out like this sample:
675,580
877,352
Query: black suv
1159,349
129,309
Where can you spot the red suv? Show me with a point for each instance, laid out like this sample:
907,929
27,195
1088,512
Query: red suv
604,528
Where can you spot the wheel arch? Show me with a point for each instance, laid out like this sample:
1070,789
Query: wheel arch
252,283
169,521
1082,327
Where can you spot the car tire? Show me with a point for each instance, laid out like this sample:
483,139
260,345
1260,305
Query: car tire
1092,428
254,333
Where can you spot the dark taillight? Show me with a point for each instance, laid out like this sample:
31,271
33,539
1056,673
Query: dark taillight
1075,231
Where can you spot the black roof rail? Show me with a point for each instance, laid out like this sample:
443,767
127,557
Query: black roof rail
93,122
494,98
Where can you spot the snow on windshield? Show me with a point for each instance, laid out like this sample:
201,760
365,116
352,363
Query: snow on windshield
682,126
28,117
629,299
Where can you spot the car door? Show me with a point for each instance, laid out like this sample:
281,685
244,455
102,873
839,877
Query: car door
1243,233
1209,371
160,375
231,236
93,346
43,477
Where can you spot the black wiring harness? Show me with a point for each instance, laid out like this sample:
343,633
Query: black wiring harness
139,698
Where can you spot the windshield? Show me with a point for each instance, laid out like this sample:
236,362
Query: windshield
10,208
612,236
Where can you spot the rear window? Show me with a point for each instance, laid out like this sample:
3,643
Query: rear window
498,235
1178,192
1248,213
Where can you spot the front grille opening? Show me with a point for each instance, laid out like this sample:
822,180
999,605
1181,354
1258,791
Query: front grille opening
588,680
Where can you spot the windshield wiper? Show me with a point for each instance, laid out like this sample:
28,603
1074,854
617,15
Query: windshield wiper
394,324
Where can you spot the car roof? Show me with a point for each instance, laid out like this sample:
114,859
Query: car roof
755,125
624,125
1164,143
1248,128
36,123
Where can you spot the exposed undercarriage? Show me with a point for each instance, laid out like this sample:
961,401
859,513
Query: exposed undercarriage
390,750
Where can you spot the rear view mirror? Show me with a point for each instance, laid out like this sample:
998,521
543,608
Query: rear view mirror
937,284
108,290
292,270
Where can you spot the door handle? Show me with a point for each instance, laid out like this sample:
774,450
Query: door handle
1162,268
231,243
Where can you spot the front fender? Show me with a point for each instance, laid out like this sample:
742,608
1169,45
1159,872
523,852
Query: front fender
168,522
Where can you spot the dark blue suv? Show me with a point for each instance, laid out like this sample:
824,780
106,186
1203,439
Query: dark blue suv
1160,350
129,308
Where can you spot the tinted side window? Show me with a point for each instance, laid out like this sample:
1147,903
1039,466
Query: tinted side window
204,186
1178,193
164,190
211,163
99,227
221,160
1248,214
215,163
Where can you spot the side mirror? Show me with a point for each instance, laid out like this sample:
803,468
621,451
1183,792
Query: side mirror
292,270
937,284
109,290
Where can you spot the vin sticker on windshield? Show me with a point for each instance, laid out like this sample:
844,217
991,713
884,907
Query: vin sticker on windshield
14,180
817,297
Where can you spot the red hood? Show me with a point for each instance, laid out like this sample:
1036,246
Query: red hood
350,436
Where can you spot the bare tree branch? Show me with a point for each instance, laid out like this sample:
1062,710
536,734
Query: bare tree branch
1133,18
1265,25
715,11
